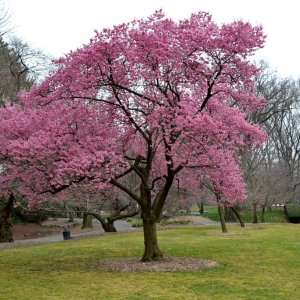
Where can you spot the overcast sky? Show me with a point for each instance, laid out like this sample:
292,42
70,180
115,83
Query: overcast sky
58,26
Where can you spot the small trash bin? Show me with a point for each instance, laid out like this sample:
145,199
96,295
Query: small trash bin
66,234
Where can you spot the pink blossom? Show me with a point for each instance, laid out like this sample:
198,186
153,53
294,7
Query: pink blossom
156,98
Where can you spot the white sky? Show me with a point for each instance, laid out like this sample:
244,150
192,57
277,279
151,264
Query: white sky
58,26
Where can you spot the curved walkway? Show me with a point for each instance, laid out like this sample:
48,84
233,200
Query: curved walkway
121,225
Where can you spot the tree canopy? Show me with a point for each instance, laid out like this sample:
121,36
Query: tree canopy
160,99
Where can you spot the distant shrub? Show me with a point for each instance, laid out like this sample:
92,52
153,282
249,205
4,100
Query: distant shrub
136,223
292,212
19,216
174,222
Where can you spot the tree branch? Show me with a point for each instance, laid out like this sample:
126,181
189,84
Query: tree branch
127,191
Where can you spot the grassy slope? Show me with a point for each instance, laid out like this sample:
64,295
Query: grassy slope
259,262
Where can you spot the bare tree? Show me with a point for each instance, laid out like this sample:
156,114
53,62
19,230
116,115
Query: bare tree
272,172
4,20
20,67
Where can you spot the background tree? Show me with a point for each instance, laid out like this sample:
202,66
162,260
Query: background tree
20,67
106,205
4,20
271,172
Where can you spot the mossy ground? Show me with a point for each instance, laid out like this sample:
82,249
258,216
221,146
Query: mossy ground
257,262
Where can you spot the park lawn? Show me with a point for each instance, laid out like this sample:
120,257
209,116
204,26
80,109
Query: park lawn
271,216
257,262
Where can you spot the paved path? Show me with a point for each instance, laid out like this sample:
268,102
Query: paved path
121,225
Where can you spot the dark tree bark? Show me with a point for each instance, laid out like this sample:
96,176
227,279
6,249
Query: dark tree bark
6,210
255,218
222,219
108,223
238,216
151,211
229,215
201,210
87,221
151,250
263,213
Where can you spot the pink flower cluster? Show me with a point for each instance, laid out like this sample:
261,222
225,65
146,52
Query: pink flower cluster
154,97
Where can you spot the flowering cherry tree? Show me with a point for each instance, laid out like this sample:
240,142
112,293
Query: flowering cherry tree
155,98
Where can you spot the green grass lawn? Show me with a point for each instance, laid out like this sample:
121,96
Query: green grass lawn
271,216
258,262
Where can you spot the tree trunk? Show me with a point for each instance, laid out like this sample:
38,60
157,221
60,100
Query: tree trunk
263,213
222,219
229,216
108,223
151,252
201,210
87,221
6,210
255,218
79,214
238,215
109,226
70,217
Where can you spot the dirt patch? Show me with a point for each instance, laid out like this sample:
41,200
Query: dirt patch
48,228
31,231
167,264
